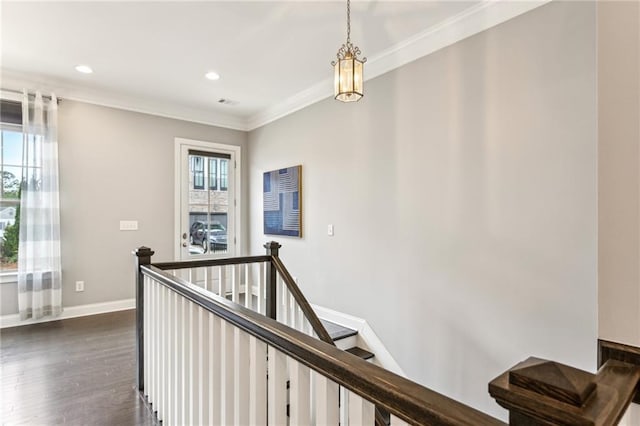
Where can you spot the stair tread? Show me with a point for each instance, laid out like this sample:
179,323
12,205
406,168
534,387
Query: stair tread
359,352
337,331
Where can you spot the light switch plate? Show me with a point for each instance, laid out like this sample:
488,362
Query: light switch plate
330,230
128,225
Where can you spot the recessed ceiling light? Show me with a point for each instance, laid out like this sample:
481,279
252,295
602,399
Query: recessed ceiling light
84,69
212,75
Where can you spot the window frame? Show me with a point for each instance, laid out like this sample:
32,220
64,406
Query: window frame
198,174
213,176
13,122
224,177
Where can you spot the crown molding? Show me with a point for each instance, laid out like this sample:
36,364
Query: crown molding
473,20
15,80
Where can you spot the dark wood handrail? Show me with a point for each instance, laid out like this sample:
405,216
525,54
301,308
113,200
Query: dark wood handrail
185,264
307,310
403,398
295,291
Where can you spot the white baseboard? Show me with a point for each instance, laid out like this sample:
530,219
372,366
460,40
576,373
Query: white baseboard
13,320
368,338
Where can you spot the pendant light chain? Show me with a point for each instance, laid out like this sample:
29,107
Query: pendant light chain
348,21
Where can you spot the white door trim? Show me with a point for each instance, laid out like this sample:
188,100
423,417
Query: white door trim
236,151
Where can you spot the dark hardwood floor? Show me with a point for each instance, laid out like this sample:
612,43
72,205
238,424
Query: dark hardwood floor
77,371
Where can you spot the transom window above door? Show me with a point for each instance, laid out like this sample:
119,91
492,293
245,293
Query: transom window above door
208,172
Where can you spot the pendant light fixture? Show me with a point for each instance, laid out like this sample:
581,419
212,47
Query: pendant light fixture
348,83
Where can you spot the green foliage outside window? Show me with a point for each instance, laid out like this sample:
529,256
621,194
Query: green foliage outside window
11,238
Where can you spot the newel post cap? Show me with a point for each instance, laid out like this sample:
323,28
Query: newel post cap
143,252
272,248
541,389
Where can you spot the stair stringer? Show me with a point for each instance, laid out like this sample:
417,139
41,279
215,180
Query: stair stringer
366,337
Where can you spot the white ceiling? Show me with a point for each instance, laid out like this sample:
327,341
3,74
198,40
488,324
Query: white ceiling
273,57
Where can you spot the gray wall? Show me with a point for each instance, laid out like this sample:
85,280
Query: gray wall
463,190
116,165
619,171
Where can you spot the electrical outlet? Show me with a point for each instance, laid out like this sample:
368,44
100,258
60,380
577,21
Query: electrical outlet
79,285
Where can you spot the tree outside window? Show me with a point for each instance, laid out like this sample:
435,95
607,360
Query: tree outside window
11,171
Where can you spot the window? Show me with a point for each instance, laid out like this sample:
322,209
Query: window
11,170
224,177
213,174
197,170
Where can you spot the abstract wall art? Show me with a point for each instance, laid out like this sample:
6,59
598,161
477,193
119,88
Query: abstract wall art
282,201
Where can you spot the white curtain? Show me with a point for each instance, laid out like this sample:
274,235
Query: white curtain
39,269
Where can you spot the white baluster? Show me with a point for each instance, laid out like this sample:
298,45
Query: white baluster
228,358
277,385
257,382
248,302
186,360
179,364
163,315
299,393
203,365
361,411
397,422
261,288
344,406
286,301
282,301
194,372
173,373
155,339
241,377
205,277
195,277
154,336
279,310
308,328
190,275
222,285
292,311
326,401
155,346
235,284
215,369
299,318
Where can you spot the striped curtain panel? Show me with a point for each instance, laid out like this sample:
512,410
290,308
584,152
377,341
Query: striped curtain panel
39,268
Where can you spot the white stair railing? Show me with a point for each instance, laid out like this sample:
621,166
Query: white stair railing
247,282
203,359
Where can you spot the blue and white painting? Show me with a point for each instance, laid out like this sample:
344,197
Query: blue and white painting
281,202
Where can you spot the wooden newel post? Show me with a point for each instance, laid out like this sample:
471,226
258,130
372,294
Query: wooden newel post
273,248
143,257
539,392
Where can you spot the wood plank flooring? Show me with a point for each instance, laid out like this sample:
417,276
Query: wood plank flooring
78,371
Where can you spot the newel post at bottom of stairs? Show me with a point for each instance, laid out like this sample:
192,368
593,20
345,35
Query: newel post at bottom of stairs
273,248
142,257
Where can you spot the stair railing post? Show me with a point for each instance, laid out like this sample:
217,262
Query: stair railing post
273,248
143,257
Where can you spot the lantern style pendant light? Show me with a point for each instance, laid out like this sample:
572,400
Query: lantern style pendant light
348,82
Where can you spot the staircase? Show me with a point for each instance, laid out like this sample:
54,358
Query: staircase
287,366
346,339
